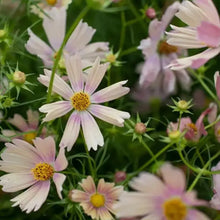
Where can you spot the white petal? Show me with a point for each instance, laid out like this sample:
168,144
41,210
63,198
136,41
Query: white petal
59,179
33,118
19,122
61,162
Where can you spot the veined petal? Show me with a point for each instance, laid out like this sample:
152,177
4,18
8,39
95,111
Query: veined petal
56,109
71,131
110,93
19,122
61,161
54,24
59,85
38,47
88,185
59,179
80,37
74,72
110,115
91,131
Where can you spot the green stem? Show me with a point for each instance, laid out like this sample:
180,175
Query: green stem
180,116
149,150
123,28
59,53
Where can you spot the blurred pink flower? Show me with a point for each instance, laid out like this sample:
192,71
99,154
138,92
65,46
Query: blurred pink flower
160,199
158,54
32,167
150,13
97,202
203,30
82,98
217,83
30,126
54,25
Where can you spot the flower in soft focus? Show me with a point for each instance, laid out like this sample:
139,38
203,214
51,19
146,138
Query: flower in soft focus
158,54
193,131
203,30
150,13
160,199
30,126
120,176
54,25
97,202
217,83
33,168
81,98
43,6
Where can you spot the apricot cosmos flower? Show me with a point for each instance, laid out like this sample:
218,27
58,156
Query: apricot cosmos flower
160,199
81,98
32,167
203,30
54,25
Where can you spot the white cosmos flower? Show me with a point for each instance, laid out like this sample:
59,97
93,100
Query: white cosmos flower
82,98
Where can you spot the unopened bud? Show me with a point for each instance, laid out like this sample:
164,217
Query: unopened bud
150,13
19,77
173,135
182,105
111,58
120,176
140,128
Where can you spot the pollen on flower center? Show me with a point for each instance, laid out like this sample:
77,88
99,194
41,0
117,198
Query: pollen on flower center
51,2
29,137
165,48
174,209
97,200
193,127
43,171
80,101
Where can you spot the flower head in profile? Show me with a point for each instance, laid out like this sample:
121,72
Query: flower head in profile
33,168
54,25
30,126
41,8
162,198
202,31
82,98
97,202
156,78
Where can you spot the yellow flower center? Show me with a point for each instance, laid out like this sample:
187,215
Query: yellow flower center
111,58
193,127
29,137
43,171
174,209
80,101
97,200
165,48
51,2
218,132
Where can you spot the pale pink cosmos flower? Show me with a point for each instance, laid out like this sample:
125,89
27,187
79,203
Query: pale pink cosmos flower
158,54
54,25
30,126
162,198
33,168
44,5
82,98
97,202
203,30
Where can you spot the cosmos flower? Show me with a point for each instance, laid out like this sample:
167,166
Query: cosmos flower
156,79
97,202
54,25
30,126
33,168
202,31
162,198
82,98
41,8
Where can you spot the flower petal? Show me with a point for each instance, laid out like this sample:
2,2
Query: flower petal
19,122
195,214
59,179
61,161
88,185
33,118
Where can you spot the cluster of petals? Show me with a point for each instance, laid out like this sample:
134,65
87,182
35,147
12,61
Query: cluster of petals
30,126
202,30
83,117
19,159
160,198
193,131
54,24
158,55
106,195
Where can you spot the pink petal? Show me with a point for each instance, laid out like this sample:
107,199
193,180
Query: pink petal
104,187
33,118
155,30
71,131
184,79
169,81
213,112
79,196
88,185
209,34
55,20
194,214
96,74
19,122
61,161
217,83
59,179
215,202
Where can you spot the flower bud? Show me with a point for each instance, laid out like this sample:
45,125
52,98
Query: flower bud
140,128
150,13
120,176
173,135
183,105
19,77
111,58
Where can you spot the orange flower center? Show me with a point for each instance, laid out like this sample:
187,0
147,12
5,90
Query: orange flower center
43,171
80,101
51,2
165,48
29,137
174,209
193,127
97,200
